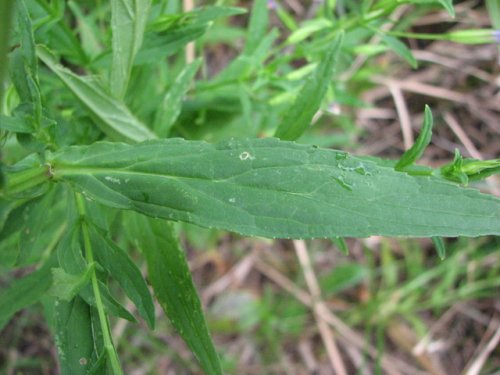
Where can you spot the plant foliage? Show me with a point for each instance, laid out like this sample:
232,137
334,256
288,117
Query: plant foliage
88,174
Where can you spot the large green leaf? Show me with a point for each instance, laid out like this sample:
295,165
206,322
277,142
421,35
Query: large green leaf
128,21
272,188
168,267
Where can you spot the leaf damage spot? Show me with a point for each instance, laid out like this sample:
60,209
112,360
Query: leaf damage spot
113,180
245,155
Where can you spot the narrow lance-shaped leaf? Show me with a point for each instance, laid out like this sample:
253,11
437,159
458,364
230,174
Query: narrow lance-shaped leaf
308,102
74,339
341,245
417,149
258,23
271,188
27,39
400,49
128,21
110,114
172,102
171,280
71,260
121,268
24,67
6,11
440,247
448,5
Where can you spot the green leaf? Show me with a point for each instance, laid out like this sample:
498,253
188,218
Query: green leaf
424,138
110,114
446,4
259,20
157,46
341,245
71,260
15,124
24,66
307,103
128,21
271,188
66,286
24,292
121,268
465,170
27,39
6,11
74,339
51,22
493,7
400,49
111,305
172,102
173,285
308,28
197,17
440,247
43,227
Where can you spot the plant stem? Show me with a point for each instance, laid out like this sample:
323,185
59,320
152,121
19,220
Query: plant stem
108,341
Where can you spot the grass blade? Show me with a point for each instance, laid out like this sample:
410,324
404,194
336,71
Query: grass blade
298,118
128,21
271,188
167,266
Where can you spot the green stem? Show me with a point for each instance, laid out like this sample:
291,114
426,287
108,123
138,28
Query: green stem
422,36
106,334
